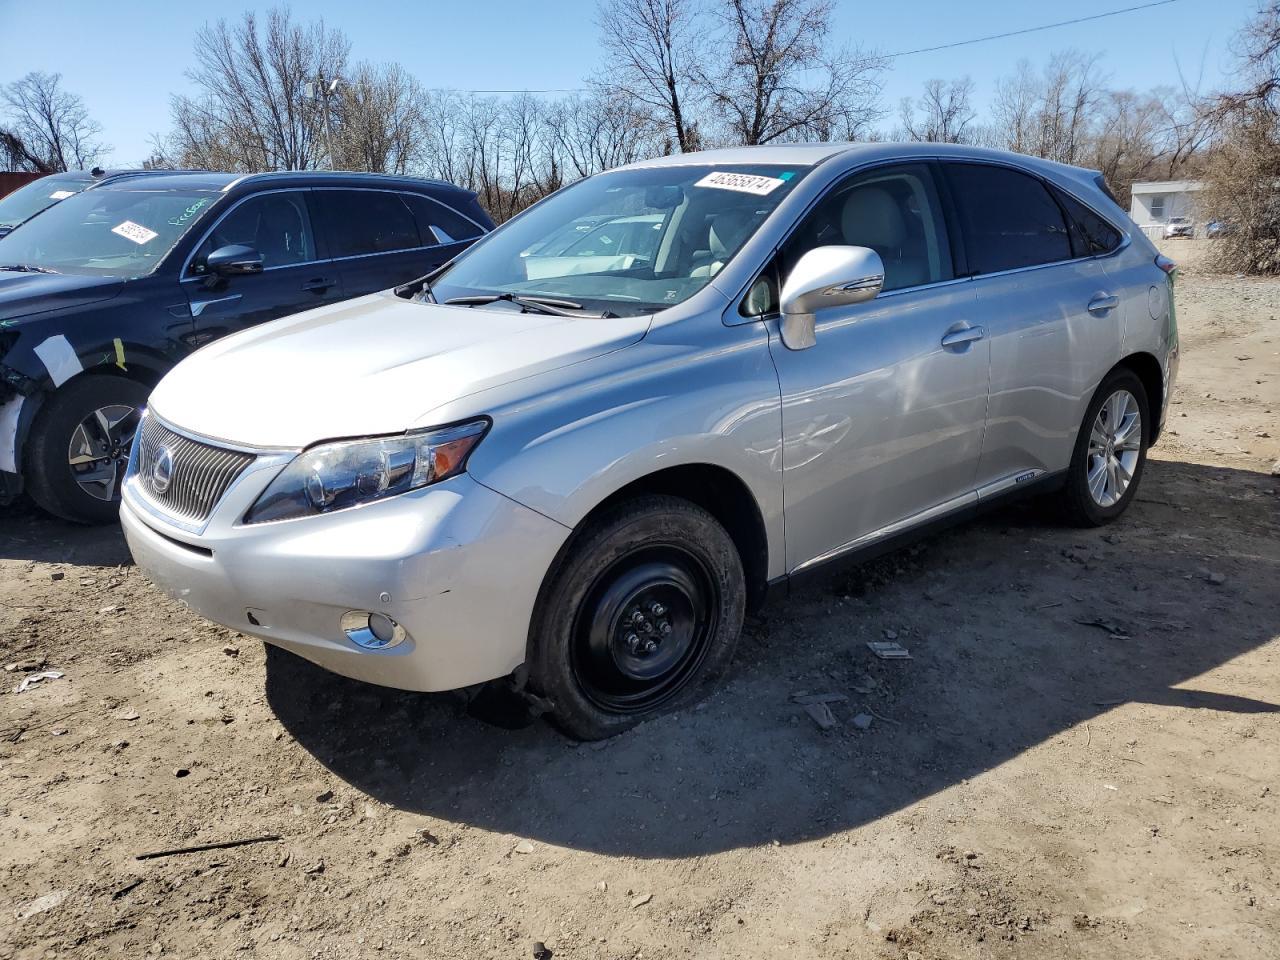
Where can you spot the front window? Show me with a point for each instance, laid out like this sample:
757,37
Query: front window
628,242
25,202
107,232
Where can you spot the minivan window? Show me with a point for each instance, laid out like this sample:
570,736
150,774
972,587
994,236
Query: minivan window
1008,218
361,222
274,224
437,223
1091,235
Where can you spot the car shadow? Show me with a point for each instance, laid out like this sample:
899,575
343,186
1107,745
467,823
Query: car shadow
28,533
1019,630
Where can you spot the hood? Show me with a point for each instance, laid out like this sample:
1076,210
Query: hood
367,366
25,294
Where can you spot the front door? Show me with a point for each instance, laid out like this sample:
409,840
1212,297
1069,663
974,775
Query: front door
294,276
882,419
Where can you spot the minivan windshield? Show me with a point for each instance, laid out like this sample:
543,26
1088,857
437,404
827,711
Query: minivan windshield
107,231
28,200
627,242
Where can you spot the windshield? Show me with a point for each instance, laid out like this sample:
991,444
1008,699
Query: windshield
107,232
629,242
25,202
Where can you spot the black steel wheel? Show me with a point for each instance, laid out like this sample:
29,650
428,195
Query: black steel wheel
642,611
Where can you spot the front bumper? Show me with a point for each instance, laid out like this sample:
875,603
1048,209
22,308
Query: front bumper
458,565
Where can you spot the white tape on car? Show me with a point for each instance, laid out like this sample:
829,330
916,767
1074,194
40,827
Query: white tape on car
741,182
59,359
9,412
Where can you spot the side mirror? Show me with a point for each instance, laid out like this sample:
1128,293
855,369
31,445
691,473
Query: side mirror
234,260
826,277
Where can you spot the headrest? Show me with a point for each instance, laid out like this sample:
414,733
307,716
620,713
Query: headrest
727,230
871,218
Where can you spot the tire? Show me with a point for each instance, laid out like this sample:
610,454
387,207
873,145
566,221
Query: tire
1090,499
673,564
93,416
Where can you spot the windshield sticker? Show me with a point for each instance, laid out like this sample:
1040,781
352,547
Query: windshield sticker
61,194
190,212
135,232
741,182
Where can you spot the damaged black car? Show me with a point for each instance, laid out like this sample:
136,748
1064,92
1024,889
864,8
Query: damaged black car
103,293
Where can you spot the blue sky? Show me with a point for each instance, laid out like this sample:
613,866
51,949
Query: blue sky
127,58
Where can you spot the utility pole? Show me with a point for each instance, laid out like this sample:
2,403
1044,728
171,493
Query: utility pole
321,90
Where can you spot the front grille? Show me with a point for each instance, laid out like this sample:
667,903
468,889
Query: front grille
198,476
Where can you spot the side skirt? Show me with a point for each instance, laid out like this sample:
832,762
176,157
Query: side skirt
780,588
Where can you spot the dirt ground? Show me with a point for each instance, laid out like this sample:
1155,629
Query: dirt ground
1081,759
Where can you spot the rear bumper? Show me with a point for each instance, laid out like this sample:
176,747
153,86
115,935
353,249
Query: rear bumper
456,564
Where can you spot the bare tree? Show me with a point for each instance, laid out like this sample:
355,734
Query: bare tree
943,114
654,48
381,125
253,112
600,132
783,80
49,128
1243,170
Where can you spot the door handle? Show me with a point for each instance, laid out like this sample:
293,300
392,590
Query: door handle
958,338
1103,302
319,284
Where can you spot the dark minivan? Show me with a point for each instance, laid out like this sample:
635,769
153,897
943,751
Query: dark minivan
105,291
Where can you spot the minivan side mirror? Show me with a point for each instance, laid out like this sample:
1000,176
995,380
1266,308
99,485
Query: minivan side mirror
826,277
234,260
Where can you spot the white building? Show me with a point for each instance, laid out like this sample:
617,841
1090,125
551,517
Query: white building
1156,201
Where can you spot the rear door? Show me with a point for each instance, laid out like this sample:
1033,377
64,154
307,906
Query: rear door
374,238
294,277
1050,311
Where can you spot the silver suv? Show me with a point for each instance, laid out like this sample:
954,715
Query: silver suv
577,465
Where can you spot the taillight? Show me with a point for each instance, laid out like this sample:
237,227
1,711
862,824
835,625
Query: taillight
1165,264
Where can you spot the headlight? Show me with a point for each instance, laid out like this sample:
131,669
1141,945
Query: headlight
334,476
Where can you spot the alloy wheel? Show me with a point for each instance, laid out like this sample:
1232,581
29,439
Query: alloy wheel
1115,446
98,453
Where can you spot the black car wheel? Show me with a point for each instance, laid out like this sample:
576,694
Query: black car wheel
641,615
79,447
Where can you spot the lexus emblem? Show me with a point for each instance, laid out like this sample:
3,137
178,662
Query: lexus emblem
162,470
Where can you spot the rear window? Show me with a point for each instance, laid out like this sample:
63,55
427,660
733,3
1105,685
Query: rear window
1091,235
361,222
1009,219
438,222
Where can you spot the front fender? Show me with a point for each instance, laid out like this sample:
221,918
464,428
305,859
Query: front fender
661,403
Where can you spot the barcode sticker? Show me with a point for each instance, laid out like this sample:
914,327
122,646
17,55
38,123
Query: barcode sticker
741,182
135,232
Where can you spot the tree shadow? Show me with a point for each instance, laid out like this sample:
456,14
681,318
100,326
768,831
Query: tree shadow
995,615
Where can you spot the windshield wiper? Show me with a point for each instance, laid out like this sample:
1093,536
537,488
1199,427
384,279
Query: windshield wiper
548,305
26,268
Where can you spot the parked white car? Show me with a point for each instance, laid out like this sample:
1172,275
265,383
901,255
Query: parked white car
1179,227
580,476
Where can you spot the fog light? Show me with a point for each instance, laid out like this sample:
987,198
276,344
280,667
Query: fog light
372,631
